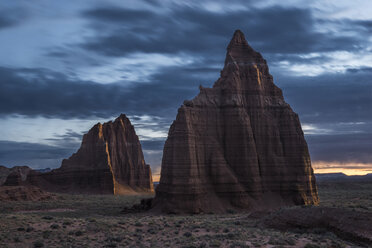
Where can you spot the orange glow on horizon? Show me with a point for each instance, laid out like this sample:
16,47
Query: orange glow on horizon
156,175
320,167
349,169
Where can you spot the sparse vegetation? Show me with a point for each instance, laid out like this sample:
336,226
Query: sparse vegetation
96,221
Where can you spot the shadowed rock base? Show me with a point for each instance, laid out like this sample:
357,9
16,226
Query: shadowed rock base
236,145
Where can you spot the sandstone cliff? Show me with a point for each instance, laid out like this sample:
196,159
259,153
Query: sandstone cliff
236,145
110,160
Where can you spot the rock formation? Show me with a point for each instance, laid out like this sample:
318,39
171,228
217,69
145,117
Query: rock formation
14,176
110,160
236,145
23,193
4,172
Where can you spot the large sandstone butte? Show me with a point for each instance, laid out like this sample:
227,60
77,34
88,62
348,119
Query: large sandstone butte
110,160
237,145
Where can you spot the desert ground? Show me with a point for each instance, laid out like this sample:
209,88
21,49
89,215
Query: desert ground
98,221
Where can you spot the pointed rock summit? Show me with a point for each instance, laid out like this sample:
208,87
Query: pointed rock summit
110,160
237,145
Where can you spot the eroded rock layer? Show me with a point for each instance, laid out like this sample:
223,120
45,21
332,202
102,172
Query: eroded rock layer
236,145
110,160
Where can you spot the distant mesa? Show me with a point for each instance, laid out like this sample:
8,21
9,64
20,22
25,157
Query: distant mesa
237,145
109,161
43,170
341,177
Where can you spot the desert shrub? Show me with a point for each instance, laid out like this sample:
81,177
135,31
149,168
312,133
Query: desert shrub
114,239
203,245
319,230
291,241
277,241
240,245
230,211
215,243
187,234
54,226
189,246
308,245
46,234
230,235
38,244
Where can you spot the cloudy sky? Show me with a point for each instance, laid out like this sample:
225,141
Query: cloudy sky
65,66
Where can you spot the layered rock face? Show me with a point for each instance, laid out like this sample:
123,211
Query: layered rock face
236,145
110,160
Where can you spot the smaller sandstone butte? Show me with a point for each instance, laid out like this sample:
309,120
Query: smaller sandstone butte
236,145
110,160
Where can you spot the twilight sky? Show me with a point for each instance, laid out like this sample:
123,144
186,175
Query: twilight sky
65,66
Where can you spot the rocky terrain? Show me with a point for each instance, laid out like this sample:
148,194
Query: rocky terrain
348,224
236,145
110,160
78,221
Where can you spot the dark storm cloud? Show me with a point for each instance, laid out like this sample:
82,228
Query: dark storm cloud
269,30
32,154
31,150
366,25
54,95
6,22
39,92
330,98
119,14
11,16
